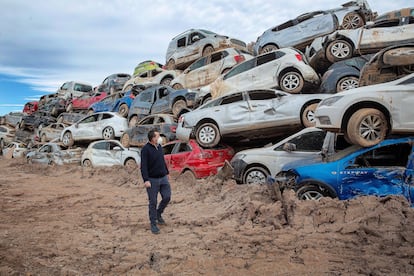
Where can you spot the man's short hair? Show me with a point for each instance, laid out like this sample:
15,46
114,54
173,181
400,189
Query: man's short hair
151,134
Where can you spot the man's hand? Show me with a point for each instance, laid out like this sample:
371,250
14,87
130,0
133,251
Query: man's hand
147,184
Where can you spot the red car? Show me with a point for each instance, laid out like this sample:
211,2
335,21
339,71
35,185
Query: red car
189,156
84,101
30,107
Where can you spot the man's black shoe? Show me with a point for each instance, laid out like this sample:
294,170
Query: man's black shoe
154,229
160,219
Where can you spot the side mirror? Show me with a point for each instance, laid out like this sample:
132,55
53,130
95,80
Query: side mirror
289,147
195,38
117,148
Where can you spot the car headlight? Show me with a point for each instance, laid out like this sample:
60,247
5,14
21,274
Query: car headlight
330,101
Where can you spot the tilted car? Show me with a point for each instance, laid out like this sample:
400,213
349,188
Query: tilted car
343,75
207,69
191,159
150,73
113,83
51,132
366,115
161,99
7,134
137,135
110,153
35,120
73,89
381,170
83,102
15,150
101,125
388,64
301,30
54,106
30,107
250,115
192,44
119,102
54,154
286,69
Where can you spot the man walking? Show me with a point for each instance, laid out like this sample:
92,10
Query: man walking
155,175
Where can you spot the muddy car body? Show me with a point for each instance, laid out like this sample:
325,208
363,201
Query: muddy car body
73,89
113,83
55,106
366,115
192,44
381,170
15,150
11,119
83,102
137,135
300,32
250,114
51,132
54,154
7,134
388,64
36,120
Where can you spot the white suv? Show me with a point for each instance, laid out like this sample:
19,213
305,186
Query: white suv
73,89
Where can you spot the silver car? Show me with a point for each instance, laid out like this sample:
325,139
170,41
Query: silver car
250,115
366,115
54,154
195,43
301,30
51,132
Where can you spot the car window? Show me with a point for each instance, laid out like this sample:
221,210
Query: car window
181,42
143,75
106,116
184,147
199,63
387,156
168,148
112,145
237,97
261,95
218,56
46,149
283,26
265,58
145,96
89,119
65,86
148,121
100,146
310,141
82,88
159,120
242,67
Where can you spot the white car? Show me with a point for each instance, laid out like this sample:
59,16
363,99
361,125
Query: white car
250,114
51,132
207,69
110,153
366,115
15,150
286,69
100,125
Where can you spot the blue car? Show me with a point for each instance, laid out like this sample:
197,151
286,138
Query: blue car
118,102
380,170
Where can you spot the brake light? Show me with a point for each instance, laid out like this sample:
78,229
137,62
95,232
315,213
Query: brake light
132,96
298,57
173,128
239,58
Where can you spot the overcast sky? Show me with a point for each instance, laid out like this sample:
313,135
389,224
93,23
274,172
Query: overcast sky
45,43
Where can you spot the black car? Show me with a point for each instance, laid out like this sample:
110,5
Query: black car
114,83
36,119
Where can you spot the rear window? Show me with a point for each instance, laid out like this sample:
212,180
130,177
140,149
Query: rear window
262,95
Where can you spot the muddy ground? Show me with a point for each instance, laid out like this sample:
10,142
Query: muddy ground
69,220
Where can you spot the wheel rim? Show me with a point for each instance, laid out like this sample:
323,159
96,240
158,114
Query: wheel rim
371,128
256,177
107,133
66,139
268,49
311,195
291,81
133,121
340,50
87,163
166,81
178,106
351,21
348,83
207,135
310,116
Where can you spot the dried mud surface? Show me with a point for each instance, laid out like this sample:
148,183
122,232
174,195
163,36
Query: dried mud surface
69,220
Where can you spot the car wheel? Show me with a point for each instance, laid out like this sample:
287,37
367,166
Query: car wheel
87,163
352,21
123,110
338,50
308,115
367,127
206,99
130,164
347,83
311,192
268,48
108,133
125,140
178,106
208,135
291,82
177,86
187,177
166,81
170,64
43,138
207,50
67,139
255,175
133,121
69,108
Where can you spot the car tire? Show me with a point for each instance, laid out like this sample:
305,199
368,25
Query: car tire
187,177
123,110
255,175
166,81
87,163
268,48
367,127
177,86
67,139
308,115
125,140
178,106
133,121
207,50
69,108
352,21
291,82
346,83
339,50
108,133
130,164
170,64
208,135
311,192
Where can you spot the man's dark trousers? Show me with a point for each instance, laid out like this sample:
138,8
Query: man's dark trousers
162,186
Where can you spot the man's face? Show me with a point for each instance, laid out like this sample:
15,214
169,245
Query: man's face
155,138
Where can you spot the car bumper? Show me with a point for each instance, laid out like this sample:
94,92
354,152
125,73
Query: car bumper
328,118
183,133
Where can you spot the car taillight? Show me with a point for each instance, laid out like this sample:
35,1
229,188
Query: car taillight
239,58
298,57
173,128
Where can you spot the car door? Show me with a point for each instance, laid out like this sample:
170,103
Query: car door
376,171
143,102
42,155
317,25
179,158
403,98
195,75
214,66
103,155
265,72
162,98
241,75
168,153
87,128
194,45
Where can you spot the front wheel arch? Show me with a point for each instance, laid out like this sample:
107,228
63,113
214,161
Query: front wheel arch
326,190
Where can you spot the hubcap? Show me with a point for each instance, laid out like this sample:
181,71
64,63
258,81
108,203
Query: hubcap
351,22
371,128
291,82
107,133
340,50
310,116
207,134
311,195
349,84
256,177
